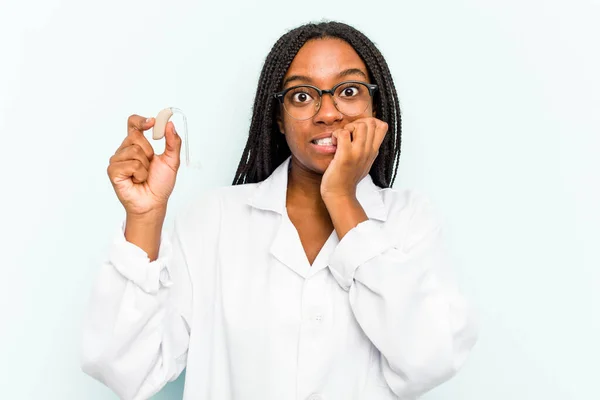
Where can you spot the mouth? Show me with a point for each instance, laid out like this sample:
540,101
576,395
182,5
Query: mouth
327,141
324,144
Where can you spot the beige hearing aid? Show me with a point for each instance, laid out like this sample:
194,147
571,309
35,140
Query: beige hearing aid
160,123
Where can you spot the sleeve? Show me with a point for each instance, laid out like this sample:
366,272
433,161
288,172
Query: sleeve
137,323
405,298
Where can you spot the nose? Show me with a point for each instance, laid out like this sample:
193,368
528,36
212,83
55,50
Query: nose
327,112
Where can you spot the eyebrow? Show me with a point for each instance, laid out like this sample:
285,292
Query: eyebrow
350,71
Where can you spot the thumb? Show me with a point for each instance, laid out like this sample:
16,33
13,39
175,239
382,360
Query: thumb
172,142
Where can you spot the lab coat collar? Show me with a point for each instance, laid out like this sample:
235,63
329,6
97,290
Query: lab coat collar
270,194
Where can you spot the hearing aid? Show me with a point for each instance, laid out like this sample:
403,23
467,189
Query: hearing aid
160,124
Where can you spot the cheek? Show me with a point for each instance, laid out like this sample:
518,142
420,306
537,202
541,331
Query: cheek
291,138
295,132
290,124
369,111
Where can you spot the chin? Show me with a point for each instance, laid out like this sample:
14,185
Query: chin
317,165
320,164
324,164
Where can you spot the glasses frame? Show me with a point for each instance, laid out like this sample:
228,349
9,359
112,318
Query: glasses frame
280,95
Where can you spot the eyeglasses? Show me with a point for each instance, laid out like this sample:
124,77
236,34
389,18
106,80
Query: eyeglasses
303,102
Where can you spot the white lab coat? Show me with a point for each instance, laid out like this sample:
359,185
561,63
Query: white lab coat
233,298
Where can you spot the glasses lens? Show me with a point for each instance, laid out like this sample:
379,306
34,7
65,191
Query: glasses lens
352,98
301,102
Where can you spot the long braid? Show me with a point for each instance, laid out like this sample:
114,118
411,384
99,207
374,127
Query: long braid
382,171
395,120
266,147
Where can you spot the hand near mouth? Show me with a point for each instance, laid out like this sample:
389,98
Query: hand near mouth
357,148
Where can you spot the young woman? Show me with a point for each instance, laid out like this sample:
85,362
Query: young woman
309,278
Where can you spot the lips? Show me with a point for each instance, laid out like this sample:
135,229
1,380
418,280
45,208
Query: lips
323,139
327,141
324,144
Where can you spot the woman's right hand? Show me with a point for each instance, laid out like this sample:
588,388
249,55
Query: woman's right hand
142,180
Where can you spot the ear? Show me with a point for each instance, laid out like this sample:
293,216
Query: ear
280,123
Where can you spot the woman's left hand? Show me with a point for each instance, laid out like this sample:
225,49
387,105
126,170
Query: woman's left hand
357,147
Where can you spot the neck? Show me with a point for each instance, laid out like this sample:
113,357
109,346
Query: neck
304,188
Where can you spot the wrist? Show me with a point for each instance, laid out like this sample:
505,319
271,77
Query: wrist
346,212
145,231
149,218
338,200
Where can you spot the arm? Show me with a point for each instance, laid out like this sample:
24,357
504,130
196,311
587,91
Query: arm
137,324
403,294
145,231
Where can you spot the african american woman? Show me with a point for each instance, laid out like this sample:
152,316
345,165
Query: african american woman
309,277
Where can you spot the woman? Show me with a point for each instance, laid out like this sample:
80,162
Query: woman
309,278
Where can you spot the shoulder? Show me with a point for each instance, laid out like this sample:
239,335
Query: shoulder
211,204
412,202
410,211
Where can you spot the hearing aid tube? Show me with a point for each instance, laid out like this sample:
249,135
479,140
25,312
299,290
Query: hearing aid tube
160,124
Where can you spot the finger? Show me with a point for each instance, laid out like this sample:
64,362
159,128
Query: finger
123,170
372,161
172,142
372,123
140,175
351,127
344,142
140,140
360,136
380,132
139,124
133,152
334,136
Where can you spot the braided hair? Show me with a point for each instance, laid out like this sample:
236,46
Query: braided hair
266,148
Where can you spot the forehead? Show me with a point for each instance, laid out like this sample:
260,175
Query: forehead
322,59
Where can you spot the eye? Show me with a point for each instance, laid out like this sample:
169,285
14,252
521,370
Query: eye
349,91
301,97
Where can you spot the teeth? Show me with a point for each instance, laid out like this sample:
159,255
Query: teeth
323,142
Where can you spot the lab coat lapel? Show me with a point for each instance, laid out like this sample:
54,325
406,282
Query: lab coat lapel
370,197
270,195
288,249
